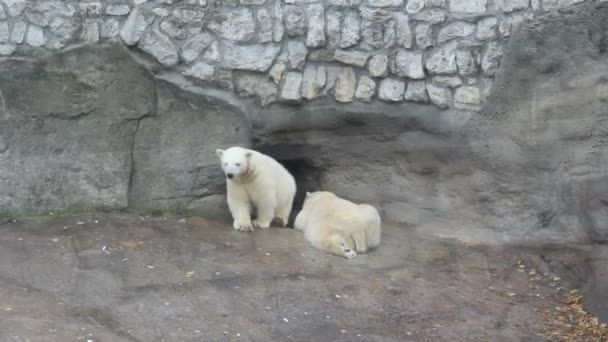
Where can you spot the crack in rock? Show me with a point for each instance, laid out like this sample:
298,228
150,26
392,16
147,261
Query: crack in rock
200,196
69,116
132,150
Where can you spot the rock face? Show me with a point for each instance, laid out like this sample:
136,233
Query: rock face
90,128
530,167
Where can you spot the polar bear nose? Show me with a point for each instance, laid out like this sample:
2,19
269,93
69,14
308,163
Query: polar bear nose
229,175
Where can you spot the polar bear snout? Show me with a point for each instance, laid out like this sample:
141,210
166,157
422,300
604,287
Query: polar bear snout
232,169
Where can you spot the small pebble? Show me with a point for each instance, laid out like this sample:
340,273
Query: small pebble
150,266
337,296
237,334
80,222
327,317
55,240
267,253
285,319
20,239
217,273
8,309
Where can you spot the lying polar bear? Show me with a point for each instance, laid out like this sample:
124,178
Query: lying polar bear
338,226
253,178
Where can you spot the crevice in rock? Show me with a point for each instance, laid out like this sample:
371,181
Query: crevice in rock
132,149
152,113
200,196
68,116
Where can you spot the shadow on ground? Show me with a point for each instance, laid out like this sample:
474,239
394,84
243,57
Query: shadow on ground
109,277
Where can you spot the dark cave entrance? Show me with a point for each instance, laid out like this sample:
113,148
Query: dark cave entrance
298,160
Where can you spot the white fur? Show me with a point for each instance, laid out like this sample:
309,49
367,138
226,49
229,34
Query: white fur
338,226
257,180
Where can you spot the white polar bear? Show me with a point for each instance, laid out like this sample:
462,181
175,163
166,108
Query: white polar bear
338,226
255,179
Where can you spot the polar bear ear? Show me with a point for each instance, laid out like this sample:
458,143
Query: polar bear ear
219,152
307,193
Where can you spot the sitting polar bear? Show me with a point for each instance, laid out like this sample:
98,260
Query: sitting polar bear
338,226
253,178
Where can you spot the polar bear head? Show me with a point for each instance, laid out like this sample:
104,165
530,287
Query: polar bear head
235,161
313,196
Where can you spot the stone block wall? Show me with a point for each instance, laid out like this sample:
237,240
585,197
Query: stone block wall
441,52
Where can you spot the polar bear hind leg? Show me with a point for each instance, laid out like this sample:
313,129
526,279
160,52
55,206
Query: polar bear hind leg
360,241
373,225
266,206
283,212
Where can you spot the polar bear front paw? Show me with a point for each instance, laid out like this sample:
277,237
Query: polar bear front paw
262,225
349,253
243,227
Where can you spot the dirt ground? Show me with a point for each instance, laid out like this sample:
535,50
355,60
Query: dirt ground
119,277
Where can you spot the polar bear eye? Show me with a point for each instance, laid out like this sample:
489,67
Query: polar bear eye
238,164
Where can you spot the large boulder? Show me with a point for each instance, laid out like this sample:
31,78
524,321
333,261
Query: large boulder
542,135
91,128
66,129
175,164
